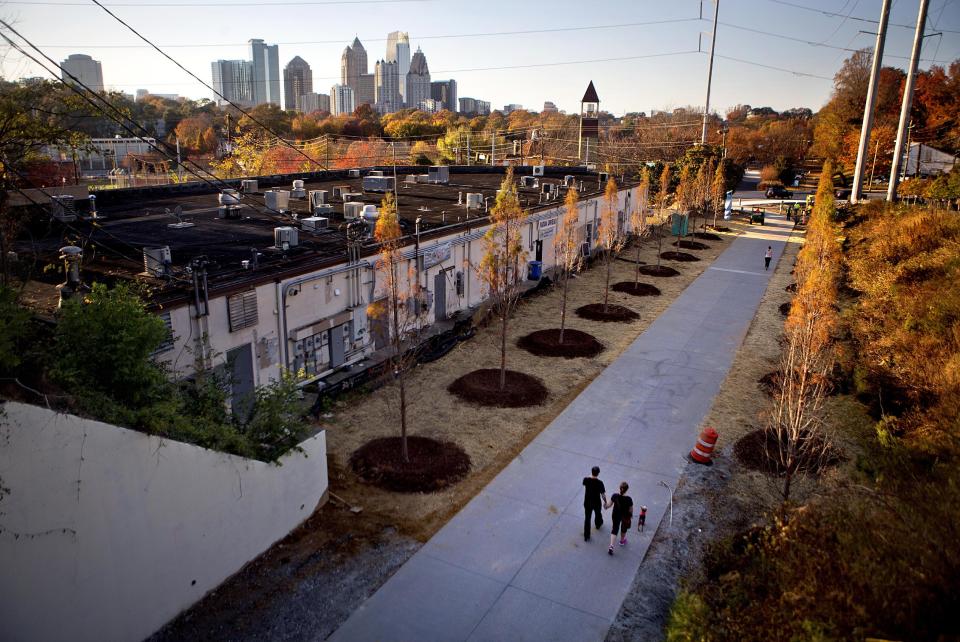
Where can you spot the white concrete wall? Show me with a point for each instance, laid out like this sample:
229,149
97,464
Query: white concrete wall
108,533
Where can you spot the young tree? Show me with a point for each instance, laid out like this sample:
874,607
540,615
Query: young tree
638,217
566,248
610,237
664,199
685,195
501,267
718,191
400,306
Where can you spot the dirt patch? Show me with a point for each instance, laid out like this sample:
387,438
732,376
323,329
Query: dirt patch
757,450
483,387
784,308
546,343
659,270
690,245
612,314
679,256
636,289
720,228
707,236
432,466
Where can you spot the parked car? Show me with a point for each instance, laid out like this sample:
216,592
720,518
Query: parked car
778,191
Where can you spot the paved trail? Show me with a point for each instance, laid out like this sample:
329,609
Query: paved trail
512,564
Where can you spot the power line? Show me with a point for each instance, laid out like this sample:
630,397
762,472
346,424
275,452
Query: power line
840,15
261,5
783,69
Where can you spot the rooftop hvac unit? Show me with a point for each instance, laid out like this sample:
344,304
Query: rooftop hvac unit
277,200
229,212
423,178
228,197
353,173
352,211
370,214
340,190
528,181
298,191
157,260
411,179
375,172
604,177
538,170
351,197
317,197
249,186
64,208
439,174
474,201
547,188
569,180
378,184
314,223
285,237
323,210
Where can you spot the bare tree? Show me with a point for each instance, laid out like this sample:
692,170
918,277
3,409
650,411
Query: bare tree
500,268
566,247
664,199
638,217
399,306
610,237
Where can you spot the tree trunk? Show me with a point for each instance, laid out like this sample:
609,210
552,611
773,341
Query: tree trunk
606,288
404,452
563,306
503,349
636,280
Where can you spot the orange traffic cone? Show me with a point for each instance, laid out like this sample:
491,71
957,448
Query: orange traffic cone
702,452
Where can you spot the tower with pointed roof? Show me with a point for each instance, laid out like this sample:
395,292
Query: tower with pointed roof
353,72
418,80
589,124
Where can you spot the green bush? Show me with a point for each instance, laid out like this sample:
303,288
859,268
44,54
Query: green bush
14,328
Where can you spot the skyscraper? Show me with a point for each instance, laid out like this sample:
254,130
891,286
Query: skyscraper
398,51
266,72
418,81
297,81
341,100
445,91
312,102
233,79
85,69
387,87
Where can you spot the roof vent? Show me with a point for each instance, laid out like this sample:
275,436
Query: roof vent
298,191
64,208
538,170
228,197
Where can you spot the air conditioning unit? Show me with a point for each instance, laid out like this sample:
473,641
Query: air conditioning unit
352,211
353,173
569,180
380,184
314,223
298,191
604,177
474,201
547,188
285,237
528,181
350,197
249,186
228,197
538,170
157,260
411,179
439,174
375,172
423,178
277,200
323,210
317,197
340,190
64,208
229,212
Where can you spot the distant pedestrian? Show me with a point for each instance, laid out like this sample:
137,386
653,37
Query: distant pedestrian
642,518
594,497
622,515
767,257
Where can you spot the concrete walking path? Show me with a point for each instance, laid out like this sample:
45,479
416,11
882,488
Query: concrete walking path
512,564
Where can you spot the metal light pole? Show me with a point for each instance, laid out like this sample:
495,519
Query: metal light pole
871,99
907,102
664,484
416,229
713,42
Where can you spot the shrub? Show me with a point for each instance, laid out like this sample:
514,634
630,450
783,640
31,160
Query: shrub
14,328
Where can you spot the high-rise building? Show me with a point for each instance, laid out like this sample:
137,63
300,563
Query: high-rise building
233,80
474,107
512,107
266,72
313,101
297,81
398,51
353,73
85,69
342,100
418,81
387,87
445,91
549,107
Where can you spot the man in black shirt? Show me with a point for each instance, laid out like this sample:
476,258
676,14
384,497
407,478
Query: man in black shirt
594,497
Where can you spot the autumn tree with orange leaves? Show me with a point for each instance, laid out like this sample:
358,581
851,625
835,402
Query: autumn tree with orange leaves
566,248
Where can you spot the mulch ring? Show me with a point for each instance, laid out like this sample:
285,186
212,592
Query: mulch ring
707,236
434,465
758,450
613,313
770,382
546,343
679,256
719,228
636,289
629,260
690,245
791,288
658,270
483,387
785,308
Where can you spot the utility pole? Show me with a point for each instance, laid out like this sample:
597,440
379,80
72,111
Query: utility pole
493,147
873,166
713,42
469,136
902,129
871,99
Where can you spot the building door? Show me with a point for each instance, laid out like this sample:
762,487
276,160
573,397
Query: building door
336,346
538,250
440,296
240,373
379,326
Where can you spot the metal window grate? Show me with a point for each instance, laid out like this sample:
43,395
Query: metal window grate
167,344
242,309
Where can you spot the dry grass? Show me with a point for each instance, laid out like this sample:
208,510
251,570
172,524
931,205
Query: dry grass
493,437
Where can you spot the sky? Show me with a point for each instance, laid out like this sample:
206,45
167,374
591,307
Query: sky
642,55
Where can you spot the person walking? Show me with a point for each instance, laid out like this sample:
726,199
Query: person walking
767,257
594,496
622,515
642,518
